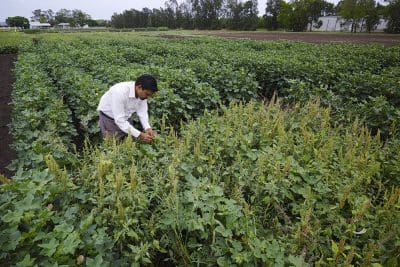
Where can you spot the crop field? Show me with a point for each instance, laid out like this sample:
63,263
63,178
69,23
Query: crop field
269,153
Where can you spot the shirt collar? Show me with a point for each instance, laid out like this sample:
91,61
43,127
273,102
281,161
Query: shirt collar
132,91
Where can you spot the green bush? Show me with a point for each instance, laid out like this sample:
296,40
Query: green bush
256,184
295,190
162,29
32,31
147,29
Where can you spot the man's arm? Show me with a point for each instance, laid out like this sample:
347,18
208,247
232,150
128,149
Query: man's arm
143,115
144,120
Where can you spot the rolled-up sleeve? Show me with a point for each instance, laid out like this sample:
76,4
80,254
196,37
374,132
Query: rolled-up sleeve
143,115
117,107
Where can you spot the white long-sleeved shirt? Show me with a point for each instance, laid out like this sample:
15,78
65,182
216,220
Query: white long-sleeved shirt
119,102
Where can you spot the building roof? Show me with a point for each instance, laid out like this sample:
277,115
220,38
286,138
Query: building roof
3,24
63,24
35,23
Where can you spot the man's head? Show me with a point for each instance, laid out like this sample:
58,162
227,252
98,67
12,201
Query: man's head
145,86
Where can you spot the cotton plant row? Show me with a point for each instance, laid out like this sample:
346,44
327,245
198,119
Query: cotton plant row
363,78
41,121
246,185
297,190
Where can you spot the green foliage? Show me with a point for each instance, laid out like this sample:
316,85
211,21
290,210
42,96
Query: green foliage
20,22
163,29
219,195
32,31
393,14
74,17
41,123
246,183
242,15
11,42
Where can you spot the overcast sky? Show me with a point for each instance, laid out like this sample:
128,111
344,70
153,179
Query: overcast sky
97,9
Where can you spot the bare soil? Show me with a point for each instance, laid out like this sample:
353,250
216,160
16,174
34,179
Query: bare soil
357,38
7,154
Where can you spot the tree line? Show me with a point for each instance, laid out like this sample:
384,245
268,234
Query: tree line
74,17
297,14
193,14
294,15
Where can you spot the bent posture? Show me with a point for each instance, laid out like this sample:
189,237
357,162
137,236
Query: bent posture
119,103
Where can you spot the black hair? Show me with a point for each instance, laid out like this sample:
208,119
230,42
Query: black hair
147,82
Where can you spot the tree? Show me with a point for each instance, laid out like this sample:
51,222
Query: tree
172,12
272,11
20,22
361,13
138,19
187,20
249,16
232,13
73,17
369,13
39,15
241,16
350,11
79,17
102,23
92,23
285,17
43,16
296,15
300,15
207,13
63,16
392,13
50,17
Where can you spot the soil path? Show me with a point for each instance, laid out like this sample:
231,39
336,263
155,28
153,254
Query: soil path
6,81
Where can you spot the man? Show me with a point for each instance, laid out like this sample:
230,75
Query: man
119,103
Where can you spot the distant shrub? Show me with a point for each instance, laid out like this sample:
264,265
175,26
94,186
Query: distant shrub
121,30
146,29
32,31
162,29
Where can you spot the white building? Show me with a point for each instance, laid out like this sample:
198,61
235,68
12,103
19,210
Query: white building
38,25
63,25
382,25
338,24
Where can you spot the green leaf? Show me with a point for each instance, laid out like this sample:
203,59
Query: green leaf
71,243
86,223
156,244
297,261
96,262
27,261
9,238
335,248
13,217
133,234
49,248
223,231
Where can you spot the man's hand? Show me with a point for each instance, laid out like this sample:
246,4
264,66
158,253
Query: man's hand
150,132
145,138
